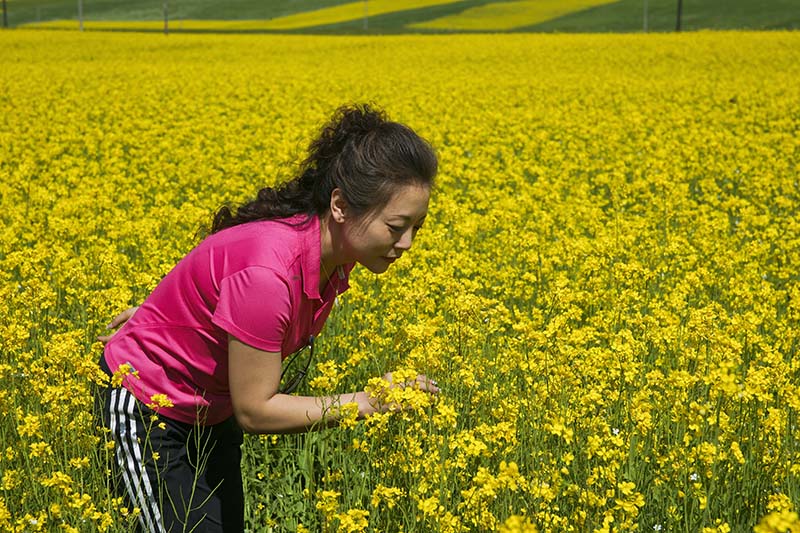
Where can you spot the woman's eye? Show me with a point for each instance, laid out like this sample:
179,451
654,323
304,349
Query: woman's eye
395,229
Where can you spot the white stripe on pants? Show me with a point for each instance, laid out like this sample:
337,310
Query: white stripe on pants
129,459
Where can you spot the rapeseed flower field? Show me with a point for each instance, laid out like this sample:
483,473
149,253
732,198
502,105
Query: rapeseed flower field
606,288
504,16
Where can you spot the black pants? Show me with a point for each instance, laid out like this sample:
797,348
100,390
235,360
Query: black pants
182,477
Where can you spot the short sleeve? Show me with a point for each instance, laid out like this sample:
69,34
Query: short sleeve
255,306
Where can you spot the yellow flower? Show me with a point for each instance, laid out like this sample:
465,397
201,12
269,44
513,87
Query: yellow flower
30,427
736,451
328,379
429,506
348,415
79,462
778,522
353,521
387,495
517,524
5,515
509,476
446,415
157,401
11,480
124,370
557,428
327,501
39,449
722,528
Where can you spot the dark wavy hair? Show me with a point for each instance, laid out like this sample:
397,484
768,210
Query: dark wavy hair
360,152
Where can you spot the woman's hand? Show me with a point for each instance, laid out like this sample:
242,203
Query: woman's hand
118,320
379,396
422,382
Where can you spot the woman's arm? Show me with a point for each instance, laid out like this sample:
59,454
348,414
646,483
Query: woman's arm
254,379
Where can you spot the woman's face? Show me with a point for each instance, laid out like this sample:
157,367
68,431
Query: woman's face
380,239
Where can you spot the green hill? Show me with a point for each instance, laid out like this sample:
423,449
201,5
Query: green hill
619,16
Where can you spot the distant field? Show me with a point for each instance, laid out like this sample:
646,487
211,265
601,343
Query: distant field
503,16
349,12
407,16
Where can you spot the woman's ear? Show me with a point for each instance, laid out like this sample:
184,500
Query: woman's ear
338,206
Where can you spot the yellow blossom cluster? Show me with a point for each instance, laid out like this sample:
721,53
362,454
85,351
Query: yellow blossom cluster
606,289
496,16
507,15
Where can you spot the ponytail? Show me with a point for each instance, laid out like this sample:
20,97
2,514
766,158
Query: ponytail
359,152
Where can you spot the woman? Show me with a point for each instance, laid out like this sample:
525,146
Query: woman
204,350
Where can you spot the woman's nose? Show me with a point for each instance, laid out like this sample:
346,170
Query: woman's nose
405,240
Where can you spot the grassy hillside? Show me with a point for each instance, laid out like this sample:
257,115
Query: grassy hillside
619,16
627,15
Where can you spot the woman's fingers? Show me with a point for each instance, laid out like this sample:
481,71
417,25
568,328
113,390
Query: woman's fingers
427,384
422,382
122,317
116,322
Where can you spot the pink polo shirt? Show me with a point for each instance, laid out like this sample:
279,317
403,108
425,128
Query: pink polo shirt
257,281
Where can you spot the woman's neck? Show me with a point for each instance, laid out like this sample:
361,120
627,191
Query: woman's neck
329,258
